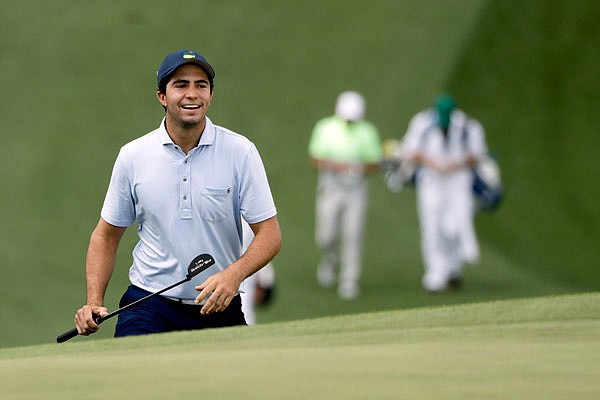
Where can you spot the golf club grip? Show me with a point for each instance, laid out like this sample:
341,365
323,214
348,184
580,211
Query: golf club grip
63,337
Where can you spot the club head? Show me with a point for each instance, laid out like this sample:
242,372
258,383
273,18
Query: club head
199,264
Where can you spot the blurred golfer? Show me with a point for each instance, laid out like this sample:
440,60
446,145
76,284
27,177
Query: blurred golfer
444,144
188,184
344,148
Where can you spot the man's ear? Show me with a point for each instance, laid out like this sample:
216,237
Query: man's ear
161,98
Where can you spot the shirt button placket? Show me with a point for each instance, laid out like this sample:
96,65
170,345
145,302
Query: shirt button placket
185,201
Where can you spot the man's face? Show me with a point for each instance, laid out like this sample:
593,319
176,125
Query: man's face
187,96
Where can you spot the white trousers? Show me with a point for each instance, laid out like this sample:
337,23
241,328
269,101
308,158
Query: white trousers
448,239
340,225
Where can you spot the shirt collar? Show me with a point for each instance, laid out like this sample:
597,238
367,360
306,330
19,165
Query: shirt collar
207,138
163,134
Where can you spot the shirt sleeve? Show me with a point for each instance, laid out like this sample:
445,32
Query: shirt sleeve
119,207
371,149
256,200
317,147
412,138
477,145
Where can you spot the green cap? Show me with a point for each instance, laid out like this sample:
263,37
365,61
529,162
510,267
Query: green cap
444,105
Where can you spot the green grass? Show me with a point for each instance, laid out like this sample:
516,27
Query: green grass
540,348
79,82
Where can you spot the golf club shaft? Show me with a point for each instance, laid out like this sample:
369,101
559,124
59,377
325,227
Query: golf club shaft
99,320
73,332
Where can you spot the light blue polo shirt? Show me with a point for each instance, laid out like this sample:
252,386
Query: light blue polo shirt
186,205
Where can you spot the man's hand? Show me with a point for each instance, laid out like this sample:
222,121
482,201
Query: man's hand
218,290
84,319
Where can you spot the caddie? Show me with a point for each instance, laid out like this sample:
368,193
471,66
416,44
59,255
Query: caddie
445,144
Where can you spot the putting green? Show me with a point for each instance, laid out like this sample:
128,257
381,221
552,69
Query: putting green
541,348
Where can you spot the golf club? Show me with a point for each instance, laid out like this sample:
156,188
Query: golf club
198,264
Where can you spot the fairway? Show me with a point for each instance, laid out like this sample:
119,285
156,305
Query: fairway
539,348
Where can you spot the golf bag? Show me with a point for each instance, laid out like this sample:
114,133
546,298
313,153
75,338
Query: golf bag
397,170
487,185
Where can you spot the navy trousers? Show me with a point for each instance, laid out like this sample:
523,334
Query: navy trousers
159,314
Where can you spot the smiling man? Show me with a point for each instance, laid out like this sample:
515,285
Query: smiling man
188,185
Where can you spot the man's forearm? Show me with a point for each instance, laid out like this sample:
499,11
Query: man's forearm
100,261
263,248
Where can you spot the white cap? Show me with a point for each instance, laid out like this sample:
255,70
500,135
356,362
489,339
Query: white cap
350,106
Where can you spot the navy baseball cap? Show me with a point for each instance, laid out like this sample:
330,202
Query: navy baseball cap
177,59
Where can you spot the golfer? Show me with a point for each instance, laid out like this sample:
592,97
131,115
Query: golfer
344,148
188,184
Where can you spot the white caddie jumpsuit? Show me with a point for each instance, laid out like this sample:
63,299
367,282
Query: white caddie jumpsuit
445,200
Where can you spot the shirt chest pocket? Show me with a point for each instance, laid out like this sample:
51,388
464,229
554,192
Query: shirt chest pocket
215,203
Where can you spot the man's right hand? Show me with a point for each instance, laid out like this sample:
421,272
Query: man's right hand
84,319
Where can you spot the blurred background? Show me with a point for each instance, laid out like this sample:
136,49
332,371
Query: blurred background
79,81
